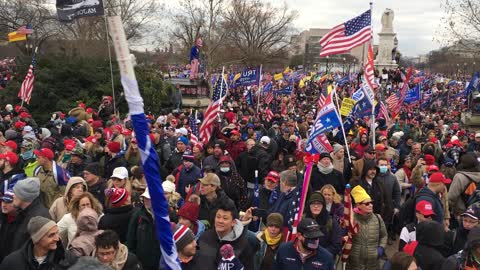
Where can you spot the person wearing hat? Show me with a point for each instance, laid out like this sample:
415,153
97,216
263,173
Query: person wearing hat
408,234
114,158
431,193
27,159
474,145
369,246
176,158
142,235
269,239
77,162
212,196
363,144
430,238
117,136
268,193
305,252
368,155
11,173
186,245
188,216
111,252
28,203
118,179
315,209
187,174
232,183
468,257
41,251
226,229
323,173
218,152
96,184
247,163
76,186
464,183
8,221
341,162
469,220
117,217
233,143
8,146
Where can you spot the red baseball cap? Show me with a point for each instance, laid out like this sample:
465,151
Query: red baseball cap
273,176
91,139
425,208
432,168
439,177
11,144
44,152
234,132
10,157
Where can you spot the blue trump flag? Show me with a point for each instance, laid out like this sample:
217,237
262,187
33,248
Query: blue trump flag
151,171
248,77
285,91
267,87
342,81
413,95
249,97
473,85
327,119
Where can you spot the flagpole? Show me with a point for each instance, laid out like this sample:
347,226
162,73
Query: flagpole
343,129
373,101
110,60
259,92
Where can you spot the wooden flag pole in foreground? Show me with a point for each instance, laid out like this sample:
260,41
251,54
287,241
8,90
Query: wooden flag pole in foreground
148,154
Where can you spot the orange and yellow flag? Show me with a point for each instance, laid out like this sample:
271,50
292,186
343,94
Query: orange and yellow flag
14,36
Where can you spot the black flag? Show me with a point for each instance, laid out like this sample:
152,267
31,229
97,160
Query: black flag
68,10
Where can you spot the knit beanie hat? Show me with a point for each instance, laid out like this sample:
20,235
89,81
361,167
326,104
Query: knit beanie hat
28,189
189,210
93,168
168,186
182,236
359,194
229,260
275,219
337,147
39,226
117,196
316,197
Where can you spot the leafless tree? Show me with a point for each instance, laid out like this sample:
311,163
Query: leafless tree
259,30
462,24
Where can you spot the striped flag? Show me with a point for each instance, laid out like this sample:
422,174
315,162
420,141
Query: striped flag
192,122
392,101
403,92
384,112
268,115
348,35
369,69
269,97
26,89
348,222
219,93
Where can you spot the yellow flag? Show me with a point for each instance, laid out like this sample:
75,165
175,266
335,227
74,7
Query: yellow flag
329,88
14,36
237,76
301,84
278,77
287,70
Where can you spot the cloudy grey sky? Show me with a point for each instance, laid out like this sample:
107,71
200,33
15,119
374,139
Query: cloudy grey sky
416,22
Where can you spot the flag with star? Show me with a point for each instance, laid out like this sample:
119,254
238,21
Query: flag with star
327,118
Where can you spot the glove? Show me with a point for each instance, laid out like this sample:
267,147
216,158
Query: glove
380,251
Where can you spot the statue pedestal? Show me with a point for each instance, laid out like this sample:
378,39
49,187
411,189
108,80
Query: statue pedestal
385,47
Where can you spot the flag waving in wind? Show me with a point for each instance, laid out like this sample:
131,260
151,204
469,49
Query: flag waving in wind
219,93
327,118
348,35
25,92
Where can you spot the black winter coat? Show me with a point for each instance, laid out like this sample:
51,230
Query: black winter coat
112,163
36,208
246,164
208,209
117,219
7,232
334,178
430,237
23,259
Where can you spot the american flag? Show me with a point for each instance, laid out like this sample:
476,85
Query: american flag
348,222
269,97
369,69
392,101
321,100
268,114
26,29
403,92
25,92
348,35
219,93
192,122
384,111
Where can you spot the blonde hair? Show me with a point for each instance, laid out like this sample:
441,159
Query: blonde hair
336,196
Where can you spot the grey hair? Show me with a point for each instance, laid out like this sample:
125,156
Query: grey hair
289,178
88,263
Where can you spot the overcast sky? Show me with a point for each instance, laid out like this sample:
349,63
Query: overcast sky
416,21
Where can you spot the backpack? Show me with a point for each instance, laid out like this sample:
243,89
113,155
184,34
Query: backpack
471,193
407,211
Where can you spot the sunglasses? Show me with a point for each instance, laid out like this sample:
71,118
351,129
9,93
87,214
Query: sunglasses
366,203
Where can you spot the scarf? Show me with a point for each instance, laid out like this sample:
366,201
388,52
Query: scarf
272,241
325,170
408,172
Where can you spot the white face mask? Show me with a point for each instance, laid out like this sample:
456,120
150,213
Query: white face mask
224,169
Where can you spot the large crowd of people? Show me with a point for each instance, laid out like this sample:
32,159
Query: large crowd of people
74,195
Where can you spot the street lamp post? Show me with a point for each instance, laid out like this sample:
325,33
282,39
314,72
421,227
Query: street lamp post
326,66
458,67
344,66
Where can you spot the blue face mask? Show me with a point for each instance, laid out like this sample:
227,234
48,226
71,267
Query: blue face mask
225,169
27,155
383,169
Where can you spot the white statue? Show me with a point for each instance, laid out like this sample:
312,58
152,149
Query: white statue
387,21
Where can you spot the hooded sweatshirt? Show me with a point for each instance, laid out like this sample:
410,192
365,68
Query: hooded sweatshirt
84,242
430,237
60,206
